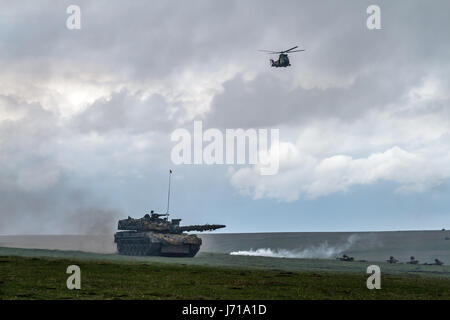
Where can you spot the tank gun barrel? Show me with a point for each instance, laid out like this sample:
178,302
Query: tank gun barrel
203,227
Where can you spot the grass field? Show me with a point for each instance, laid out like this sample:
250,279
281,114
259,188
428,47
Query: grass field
41,274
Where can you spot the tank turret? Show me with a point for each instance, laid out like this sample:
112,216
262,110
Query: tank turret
154,223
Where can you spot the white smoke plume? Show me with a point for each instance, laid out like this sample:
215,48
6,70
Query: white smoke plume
321,251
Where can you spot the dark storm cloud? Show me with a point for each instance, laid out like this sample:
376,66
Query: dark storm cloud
137,38
282,105
128,112
150,40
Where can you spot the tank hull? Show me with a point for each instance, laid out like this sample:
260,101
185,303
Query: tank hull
134,243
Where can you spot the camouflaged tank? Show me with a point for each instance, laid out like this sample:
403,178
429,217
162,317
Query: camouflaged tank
156,236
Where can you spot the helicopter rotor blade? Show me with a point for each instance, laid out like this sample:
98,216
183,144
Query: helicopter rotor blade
270,52
296,51
286,51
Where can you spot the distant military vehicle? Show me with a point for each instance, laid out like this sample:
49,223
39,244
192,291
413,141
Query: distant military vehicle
345,258
155,235
392,260
413,260
437,262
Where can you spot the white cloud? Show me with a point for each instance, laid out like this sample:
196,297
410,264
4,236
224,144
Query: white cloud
311,177
400,146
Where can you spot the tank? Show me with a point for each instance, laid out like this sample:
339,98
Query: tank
156,235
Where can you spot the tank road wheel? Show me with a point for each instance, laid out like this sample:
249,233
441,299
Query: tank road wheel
122,248
129,248
138,249
143,250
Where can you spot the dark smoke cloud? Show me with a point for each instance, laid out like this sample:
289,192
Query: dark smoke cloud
91,221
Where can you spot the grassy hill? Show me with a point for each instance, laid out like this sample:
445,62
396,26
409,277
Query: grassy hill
41,274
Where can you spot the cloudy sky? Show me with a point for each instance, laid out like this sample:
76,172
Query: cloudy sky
86,115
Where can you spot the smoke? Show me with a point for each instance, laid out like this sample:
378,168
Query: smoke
92,221
59,209
321,251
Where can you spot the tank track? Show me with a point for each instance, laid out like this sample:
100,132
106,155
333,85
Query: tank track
138,244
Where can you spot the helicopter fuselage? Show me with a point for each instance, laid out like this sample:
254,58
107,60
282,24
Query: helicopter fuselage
283,61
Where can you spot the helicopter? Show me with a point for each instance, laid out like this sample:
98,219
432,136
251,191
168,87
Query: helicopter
283,60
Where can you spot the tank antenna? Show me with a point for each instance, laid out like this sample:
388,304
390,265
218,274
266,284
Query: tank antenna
168,194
